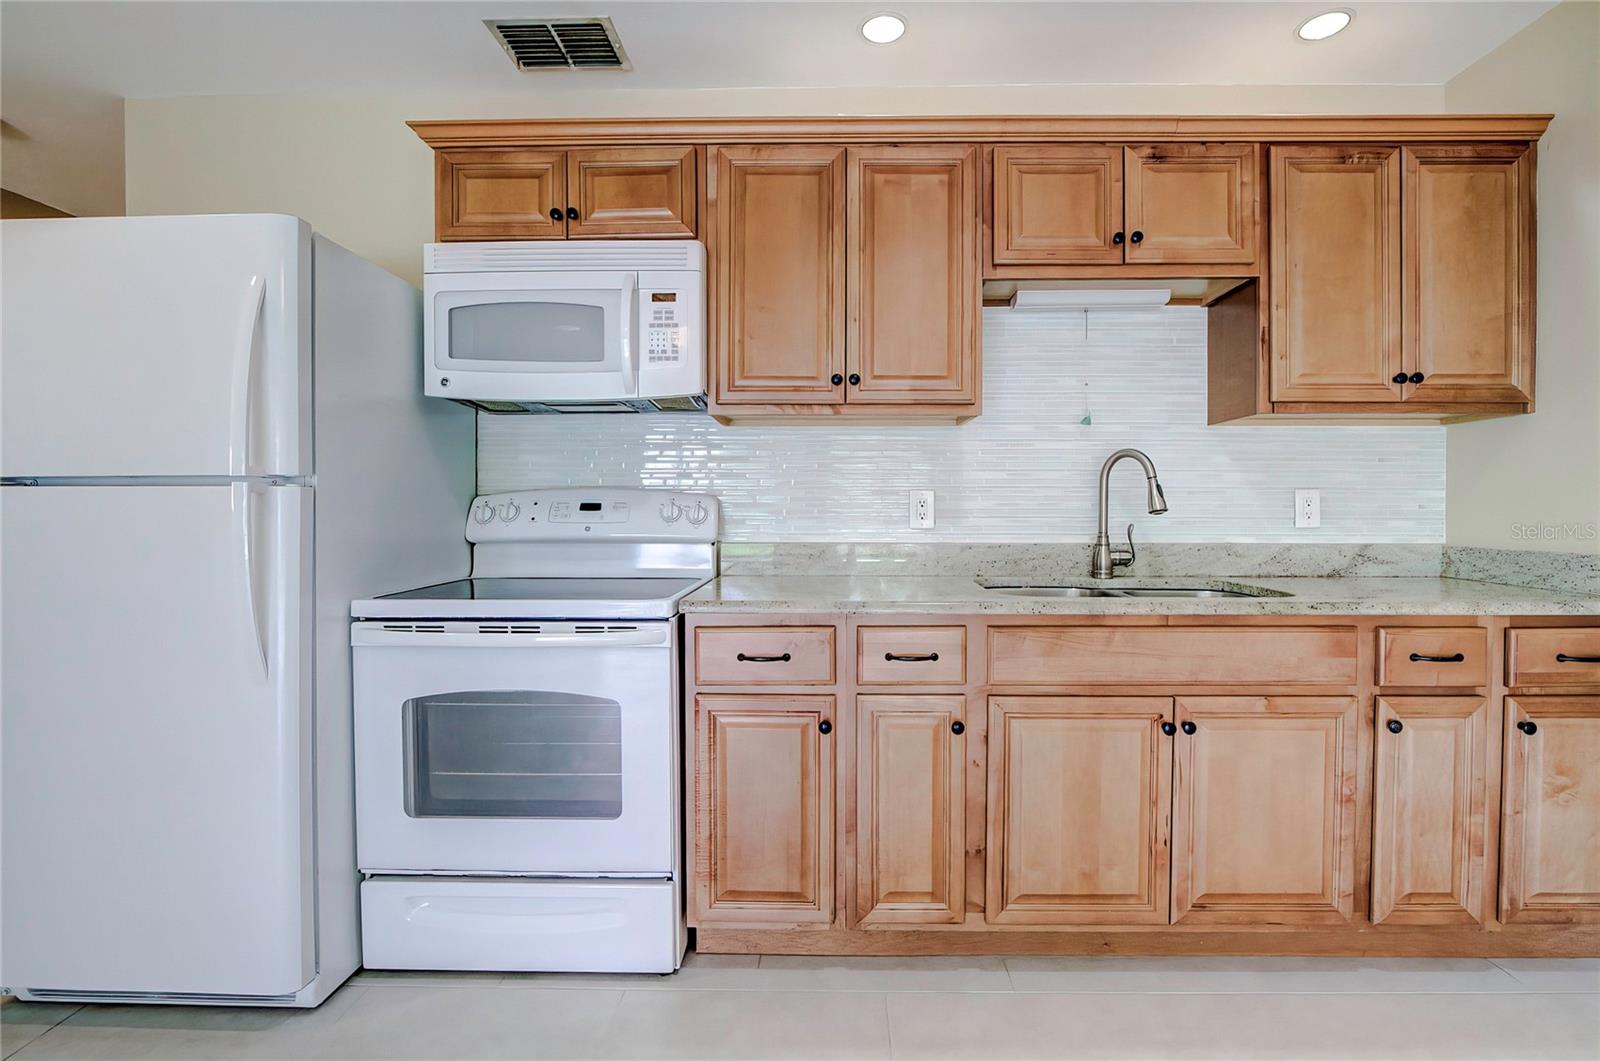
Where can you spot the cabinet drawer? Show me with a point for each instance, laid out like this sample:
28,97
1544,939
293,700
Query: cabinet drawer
1433,656
764,655
1555,655
1087,655
911,655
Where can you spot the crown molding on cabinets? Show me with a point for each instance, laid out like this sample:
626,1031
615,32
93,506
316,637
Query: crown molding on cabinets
1020,128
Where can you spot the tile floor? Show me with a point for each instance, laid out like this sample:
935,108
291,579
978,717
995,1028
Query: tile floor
790,1007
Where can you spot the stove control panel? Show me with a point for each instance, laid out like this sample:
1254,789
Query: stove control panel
593,513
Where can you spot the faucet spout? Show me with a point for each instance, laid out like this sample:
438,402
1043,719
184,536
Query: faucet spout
1105,559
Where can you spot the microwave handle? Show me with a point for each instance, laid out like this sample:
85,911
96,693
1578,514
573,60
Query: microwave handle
630,332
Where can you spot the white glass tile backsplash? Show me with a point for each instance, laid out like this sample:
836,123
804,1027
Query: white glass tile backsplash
1060,393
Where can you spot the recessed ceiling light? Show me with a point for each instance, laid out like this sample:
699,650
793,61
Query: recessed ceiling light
1321,27
883,29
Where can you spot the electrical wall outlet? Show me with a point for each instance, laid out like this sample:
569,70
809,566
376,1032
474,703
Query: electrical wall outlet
1307,508
922,510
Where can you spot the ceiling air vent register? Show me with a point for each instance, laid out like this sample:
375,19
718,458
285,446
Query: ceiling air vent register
560,43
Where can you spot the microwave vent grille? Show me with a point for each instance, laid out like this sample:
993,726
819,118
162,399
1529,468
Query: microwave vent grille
560,43
532,256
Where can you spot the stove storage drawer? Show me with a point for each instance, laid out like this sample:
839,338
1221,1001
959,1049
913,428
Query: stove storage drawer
764,655
518,924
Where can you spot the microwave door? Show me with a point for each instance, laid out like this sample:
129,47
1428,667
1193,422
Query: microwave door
538,337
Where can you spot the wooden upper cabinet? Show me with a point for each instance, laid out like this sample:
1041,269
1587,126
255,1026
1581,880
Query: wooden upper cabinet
764,808
910,805
1429,822
778,250
1550,839
1192,203
1263,811
1335,263
634,192
913,292
1079,797
486,194
1468,275
1057,204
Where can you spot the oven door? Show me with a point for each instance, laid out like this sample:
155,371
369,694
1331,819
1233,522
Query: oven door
532,337
533,748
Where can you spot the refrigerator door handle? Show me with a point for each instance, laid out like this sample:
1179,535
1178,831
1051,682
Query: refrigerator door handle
248,552
627,321
243,363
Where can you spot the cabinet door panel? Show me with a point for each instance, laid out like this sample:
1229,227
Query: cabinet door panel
1060,203
910,802
1468,274
1429,821
1550,839
765,777
1192,202
631,191
482,194
913,281
779,259
1263,828
1079,797
1335,265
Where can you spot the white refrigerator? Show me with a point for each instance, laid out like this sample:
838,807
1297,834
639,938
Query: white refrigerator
212,438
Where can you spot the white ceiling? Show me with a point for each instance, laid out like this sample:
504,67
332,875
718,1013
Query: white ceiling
148,50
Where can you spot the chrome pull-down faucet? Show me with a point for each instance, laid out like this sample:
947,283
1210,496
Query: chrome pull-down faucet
1106,558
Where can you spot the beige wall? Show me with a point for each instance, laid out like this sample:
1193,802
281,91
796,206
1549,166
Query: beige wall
352,168
1504,477
62,145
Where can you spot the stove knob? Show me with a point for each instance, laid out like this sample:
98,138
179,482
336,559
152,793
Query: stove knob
483,513
671,512
510,512
698,514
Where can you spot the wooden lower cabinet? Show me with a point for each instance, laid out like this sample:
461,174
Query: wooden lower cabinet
1264,809
1429,819
1079,790
1550,845
764,850
910,796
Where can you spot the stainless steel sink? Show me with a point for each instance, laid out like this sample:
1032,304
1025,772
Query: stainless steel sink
1127,592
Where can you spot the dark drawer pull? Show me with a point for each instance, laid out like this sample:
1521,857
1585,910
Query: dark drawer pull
931,657
1188,727
824,727
1527,727
1417,657
1168,728
1395,725
742,658
1562,657
958,728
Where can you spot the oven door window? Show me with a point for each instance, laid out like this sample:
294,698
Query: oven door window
513,754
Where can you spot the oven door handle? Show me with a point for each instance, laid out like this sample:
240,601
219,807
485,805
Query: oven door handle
422,634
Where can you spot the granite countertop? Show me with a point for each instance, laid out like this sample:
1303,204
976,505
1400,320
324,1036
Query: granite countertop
964,595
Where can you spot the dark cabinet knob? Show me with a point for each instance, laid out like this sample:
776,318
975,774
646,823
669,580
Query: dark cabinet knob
1527,727
855,378
958,728
1400,377
555,213
1416,377
1188,727
1168,728
836,379
1395,725
1116,239
572,213
824,727
1136,236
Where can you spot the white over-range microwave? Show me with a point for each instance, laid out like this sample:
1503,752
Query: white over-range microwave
612,326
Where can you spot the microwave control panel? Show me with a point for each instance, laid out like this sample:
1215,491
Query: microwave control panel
664,317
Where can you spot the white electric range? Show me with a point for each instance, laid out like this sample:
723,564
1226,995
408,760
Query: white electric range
517,740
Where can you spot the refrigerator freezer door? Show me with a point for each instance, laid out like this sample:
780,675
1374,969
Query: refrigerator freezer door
164,346
156,769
